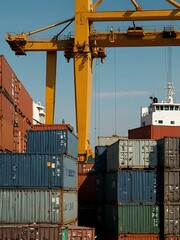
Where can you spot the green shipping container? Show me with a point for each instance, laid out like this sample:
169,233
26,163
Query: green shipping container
132,218
64,233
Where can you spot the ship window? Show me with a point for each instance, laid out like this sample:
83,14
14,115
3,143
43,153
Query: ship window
166,108
161,107
171,108
176,108
172,122
157,107
160,121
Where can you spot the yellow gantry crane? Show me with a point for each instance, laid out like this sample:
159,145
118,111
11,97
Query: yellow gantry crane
88,44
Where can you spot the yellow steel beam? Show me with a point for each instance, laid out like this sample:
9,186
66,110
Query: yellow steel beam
50,86
150,39
144,15
175,4
83,65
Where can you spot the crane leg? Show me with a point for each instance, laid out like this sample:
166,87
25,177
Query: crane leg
83,66
50,85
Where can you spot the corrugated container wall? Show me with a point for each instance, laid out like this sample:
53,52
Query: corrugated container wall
52,141
171,218
132,218
75,233
38,170
154,132
132,153
133,187
108,140
110,236
38,206
101,158
33,232
169,152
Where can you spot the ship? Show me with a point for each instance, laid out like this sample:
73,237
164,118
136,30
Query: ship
160,119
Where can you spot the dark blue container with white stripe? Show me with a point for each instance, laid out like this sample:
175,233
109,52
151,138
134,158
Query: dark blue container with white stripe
23,170
133,187
52,141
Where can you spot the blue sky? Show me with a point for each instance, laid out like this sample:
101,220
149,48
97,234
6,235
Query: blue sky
121,85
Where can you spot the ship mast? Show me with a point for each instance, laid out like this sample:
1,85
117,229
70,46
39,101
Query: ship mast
169,92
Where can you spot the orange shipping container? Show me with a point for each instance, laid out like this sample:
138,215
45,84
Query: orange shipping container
154,132
172,237
84,168
43,127
6,136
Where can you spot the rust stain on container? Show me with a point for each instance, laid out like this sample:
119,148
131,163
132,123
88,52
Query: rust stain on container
78,233
172,237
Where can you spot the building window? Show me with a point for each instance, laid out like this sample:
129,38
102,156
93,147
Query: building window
172,122
161,107
160,121
171,108
176,108
166,108
157,107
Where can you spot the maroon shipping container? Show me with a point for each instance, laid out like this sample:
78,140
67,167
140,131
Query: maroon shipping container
84,168
154,132
33,232
79,233
43,127
110,236
8,78
25,102
86,188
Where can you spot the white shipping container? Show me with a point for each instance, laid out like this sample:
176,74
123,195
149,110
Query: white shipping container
128,153
38,206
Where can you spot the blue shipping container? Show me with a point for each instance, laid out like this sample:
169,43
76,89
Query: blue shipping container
133,187
52,141
101,158
38,170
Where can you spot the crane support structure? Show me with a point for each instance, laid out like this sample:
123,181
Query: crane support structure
88,44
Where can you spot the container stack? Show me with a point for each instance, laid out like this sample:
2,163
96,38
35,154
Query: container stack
169,156
40,187
132,183
16,110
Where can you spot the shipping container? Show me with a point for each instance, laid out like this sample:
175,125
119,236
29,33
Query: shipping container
38,206
172,218
25,102
87,215
154,132
52,141
33,232
132,219
86,168
171,186
133,187
42,127
168,152
86,188
100,216
132,154
101,158
8,78
6,136
110,236
80,233
172,237
23,170
100,187
108,140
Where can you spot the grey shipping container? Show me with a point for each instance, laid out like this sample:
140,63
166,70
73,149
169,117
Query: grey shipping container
132,154
33,232
38,170
171,185
168,152
38,206
132,218
172,218
133,187
101,158
52,141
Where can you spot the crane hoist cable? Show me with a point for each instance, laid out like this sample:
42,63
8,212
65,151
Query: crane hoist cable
57,35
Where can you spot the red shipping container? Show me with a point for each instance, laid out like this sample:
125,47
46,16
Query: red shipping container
79,233
6,136
110,236
25,102
7,109
154,132
87,188
7,77
84,168
43,127
172,237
